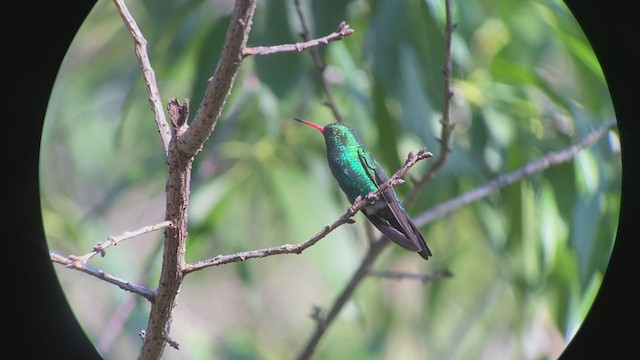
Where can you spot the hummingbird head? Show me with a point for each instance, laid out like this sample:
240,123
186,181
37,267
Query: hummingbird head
335,134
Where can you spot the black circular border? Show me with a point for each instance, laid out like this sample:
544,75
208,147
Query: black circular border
40,319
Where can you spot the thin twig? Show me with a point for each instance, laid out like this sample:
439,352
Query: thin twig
358,204
124,285
317,60
147,72
422,277
546,161
343,31
447,125
376,248
100,247
322,323
174,344
114,327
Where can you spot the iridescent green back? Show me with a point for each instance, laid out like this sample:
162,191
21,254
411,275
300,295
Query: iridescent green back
345,154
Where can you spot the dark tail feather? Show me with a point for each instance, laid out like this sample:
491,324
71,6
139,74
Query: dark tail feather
399,237
425,254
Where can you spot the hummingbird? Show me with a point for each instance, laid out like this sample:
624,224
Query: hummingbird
358,174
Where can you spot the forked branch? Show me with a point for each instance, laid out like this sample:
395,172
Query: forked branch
298,248
343,31
153,94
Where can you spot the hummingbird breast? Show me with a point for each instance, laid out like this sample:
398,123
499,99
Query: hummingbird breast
350,173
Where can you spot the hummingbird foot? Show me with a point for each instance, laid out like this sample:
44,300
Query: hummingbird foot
372,197
352,209
77,261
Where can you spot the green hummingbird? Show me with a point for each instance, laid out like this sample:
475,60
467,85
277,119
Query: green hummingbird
358,174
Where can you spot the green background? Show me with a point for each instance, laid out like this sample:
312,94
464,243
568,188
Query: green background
528,260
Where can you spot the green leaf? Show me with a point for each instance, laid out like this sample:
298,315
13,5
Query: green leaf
279,72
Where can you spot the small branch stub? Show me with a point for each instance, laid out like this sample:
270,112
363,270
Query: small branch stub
179,113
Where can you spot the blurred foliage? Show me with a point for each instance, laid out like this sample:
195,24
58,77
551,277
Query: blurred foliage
528,260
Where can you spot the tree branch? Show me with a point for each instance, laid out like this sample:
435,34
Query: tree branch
185,144
546,161
322,323
147,73
343,31
114,240
447,126
181,144
120,315
217,92
317,60
124,285
376,248
422,277
358,204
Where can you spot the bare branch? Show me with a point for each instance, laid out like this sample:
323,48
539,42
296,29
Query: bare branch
298,248
547,161
184,146
147,72
112,241
447,126
124,285
113,327
343,31
217,92
422,277
376,248
315,55
121,314
322,323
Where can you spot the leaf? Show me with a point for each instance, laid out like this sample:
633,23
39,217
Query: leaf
384,37
387,132
279,71
584,227
327,15
209,47
417,113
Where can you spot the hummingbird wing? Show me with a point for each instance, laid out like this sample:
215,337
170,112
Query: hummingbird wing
390,217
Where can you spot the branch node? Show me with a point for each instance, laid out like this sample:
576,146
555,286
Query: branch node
424,154
174,344
315,313
344,29
410,158
450,94
179,113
